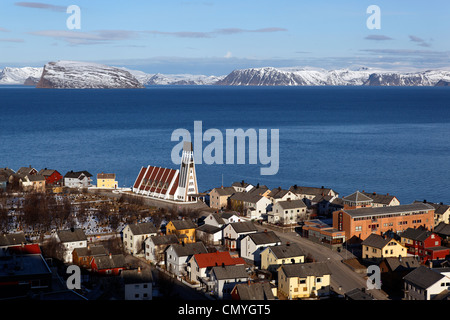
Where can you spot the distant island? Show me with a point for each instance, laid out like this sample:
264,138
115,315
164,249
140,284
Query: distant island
76,74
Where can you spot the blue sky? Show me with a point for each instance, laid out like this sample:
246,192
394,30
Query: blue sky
216,37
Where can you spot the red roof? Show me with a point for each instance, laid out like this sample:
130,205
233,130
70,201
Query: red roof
157,179
213,259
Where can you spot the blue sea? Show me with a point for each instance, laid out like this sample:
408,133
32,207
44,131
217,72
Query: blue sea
392,140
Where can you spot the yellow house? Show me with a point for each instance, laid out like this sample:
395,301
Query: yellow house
304,280
106,181
183,229
274,256
378,247
218,197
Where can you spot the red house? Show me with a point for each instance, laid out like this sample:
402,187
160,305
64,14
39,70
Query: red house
16,243
52,177
424,244
110,264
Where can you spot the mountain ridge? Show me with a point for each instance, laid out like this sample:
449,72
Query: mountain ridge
91,75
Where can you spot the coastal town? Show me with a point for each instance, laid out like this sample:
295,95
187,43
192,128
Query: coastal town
163,239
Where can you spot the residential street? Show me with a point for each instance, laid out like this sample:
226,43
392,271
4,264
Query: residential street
342,276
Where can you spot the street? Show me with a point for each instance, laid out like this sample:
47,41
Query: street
343,279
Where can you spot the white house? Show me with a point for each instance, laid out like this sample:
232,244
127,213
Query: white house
224,279
155,246
134,235
200,265
279,194
71,239
253,244
209,234
229,217
234,232
242,186
138,284
287,211
177,256
424,283
78,179
259,206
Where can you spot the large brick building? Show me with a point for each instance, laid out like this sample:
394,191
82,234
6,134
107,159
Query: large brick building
358,219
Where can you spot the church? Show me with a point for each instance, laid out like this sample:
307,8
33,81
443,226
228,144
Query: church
170,184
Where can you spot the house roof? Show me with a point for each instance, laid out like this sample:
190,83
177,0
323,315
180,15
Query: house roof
11,239
188,249
142,228
246,197
254,291
244,226
36,177
25,170
417,234
291,204
439,208
77,174
183,224
106,176
376,241
227,215
358,294
380,198
264,237
309,190
241,184
225,191
423,277
72,235
7,171
164,240
210,229
278,193
136,276
378,211
357,197
217,217
91,251
229,272
303,270
287,251
442,228
110,261
47,172
217,258
403,263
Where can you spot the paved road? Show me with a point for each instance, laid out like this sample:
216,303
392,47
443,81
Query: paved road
342,276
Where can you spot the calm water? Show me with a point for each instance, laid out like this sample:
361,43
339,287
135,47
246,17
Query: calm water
388,140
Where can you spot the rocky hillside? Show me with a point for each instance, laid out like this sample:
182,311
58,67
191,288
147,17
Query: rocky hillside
83,75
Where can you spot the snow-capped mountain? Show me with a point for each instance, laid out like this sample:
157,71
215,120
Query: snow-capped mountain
81,75
174,79
425,78
270,76
15,76
74,74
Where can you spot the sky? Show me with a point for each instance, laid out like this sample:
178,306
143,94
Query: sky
216,37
